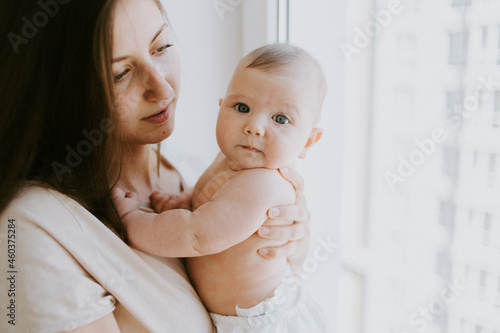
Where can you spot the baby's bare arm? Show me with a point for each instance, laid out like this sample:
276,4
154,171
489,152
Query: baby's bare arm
234,213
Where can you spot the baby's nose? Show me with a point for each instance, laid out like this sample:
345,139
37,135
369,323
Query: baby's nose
254,129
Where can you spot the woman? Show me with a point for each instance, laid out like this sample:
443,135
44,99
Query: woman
86,87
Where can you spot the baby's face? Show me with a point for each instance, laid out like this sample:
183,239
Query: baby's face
266,119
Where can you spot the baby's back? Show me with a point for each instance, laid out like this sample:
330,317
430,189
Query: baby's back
238,275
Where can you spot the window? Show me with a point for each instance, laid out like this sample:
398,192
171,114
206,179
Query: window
463,324
483,276
458,48
486,228
450,162
497,302
432,226
461,3
496,107
443,267
492,166
482,279
484,34
498,51
499,36
447,215
453,102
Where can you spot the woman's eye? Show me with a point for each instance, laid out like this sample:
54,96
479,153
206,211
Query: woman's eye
243,108
281,119
163,48
121,75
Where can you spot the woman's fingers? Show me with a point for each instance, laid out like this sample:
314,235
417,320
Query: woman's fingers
295,179
284,250
298,213
284,232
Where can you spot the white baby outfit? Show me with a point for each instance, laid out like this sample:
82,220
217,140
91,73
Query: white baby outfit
288,311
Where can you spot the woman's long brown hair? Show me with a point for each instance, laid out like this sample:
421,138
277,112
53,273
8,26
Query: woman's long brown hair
56,112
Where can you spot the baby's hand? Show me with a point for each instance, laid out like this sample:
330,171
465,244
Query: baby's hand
125,202
162,201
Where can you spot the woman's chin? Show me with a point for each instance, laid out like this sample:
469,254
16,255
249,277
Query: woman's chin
163,132
151,139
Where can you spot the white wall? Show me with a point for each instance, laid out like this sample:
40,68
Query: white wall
210,48
318,27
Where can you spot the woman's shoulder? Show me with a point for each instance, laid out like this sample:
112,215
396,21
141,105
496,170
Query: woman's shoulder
36,193
70,259
44,207
44,267
33,195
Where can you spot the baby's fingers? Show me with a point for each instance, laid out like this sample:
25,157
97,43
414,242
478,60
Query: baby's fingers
158,199
131,195
125,202
117,193
170,203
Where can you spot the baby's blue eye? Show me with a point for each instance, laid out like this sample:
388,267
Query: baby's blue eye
243,108
281,119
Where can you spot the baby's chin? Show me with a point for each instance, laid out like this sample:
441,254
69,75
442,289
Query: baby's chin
239,162
247,166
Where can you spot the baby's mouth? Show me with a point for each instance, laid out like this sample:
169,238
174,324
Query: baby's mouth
251,149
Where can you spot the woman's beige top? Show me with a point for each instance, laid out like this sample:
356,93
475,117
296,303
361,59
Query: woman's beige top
66,269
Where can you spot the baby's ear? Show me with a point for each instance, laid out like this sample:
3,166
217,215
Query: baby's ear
315,135
220,101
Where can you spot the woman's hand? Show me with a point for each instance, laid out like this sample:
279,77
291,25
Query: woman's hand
288,223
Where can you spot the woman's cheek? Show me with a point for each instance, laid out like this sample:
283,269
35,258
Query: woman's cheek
127,104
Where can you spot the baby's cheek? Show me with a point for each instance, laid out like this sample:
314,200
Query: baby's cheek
278,157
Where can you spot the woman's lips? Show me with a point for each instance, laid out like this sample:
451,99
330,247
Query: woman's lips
160,117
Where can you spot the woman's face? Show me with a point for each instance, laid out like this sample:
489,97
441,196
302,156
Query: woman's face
146,72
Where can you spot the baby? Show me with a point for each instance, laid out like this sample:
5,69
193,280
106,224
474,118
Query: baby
266,121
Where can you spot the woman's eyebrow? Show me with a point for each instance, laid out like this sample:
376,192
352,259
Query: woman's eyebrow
119,59
163,26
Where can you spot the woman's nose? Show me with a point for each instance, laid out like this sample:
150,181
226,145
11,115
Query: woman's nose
157,88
